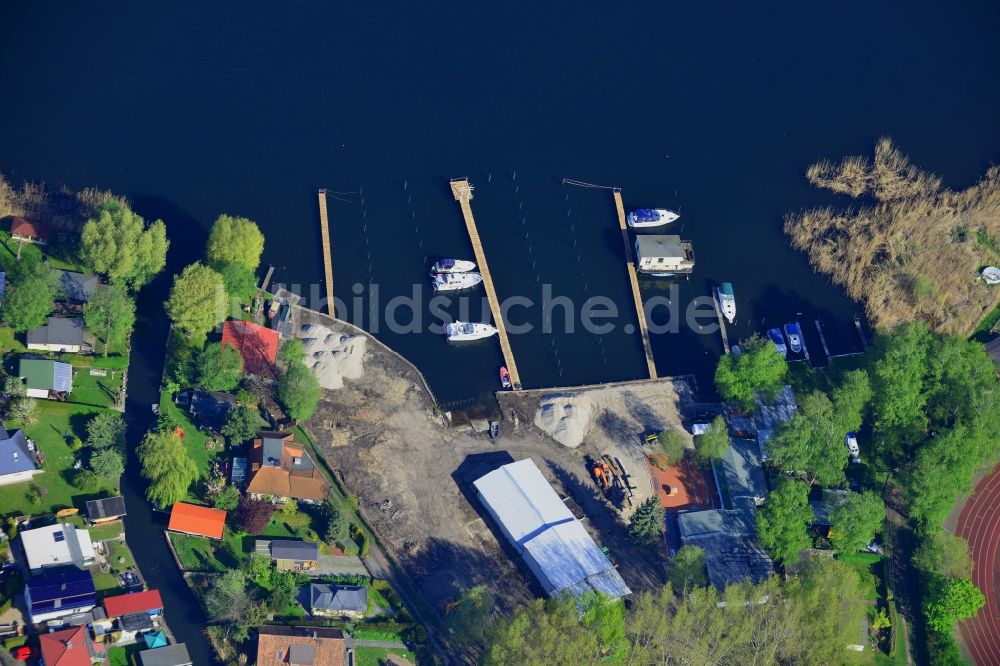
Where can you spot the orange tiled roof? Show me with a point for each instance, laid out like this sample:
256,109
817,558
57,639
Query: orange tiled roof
285,479
200,520
289,646
257,345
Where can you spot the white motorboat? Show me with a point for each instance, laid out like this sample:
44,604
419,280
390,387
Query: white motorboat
455,281
463,330
646,218
990,275
727,301
452,266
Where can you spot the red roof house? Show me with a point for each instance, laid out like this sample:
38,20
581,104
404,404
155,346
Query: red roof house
257,345
197,520
34,232
140,602
68,647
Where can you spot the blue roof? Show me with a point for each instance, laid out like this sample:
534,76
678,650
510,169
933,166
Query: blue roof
72,587
63,380
14,454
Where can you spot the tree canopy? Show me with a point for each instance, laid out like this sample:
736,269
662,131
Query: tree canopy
197,302
686,569
241,424
950,600
107,463
299,391
220,367
758,371
811,443
106,430
469,620
672,445
110,315
117,242
240,282
30,297
783,521
167,466
235,240
714,442
945,555
856,520
645,526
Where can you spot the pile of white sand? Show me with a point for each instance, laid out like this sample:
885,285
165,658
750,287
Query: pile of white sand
565,417
333,357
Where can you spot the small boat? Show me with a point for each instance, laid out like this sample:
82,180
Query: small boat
851,442
646,218
776,338
452,266
454,281
727,301
504,377
463,330
991,275
794,336
494,429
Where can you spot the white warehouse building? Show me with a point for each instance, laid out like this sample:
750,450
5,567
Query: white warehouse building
553,543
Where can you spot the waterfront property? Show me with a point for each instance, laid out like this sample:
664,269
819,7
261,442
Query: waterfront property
729,539
148,602
75,287
258,346
169,655
46,379
17,460
333,600
743,471
69,647
281,467
105,510
553,543
282,646
57,545
29,232
59,593
663,254
208,409
197,520
59,334
290,555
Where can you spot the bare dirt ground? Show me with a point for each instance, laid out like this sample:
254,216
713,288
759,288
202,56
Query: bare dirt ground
412,470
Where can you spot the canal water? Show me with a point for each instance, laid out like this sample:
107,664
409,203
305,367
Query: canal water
712,108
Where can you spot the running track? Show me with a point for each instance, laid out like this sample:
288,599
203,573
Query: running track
979,524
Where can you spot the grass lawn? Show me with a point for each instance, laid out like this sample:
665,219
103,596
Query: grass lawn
201,554
869,568
8,342
371,656
91,389
58,257
54,419
194,439
124,655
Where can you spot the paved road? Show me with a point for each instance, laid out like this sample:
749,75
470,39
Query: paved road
979,524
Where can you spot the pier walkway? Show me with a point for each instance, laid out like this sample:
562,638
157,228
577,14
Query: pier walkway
462,191
633,279
722,323
324,229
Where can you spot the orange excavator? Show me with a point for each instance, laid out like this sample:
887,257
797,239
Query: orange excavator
601,471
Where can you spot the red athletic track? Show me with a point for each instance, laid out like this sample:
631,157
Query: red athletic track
979,524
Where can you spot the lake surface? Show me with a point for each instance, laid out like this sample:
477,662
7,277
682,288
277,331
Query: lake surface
712,108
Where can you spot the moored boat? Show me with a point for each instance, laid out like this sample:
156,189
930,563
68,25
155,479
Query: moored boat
778,340
452,266
647,218
727,301
494,429
463,330
794,336
454,281
505,377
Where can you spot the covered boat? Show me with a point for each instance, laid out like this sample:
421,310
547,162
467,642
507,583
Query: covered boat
991,275
778,340
794,336
452,266
463,330
455,281
505,377
727,301
644,218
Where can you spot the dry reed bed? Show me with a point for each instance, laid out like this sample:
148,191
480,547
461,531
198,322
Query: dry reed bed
61,209
911,248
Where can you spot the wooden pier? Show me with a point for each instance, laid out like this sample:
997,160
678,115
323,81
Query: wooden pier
822,339
462,191
722,323
634,281
267,278
324,229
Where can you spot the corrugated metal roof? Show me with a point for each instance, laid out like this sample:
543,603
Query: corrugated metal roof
744,472
522,499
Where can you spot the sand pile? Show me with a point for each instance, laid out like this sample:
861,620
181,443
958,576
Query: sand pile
333,357
565,417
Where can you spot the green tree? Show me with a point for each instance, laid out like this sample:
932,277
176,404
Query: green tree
110,315
338,524
811,443
856,521
30,297
227,498
14,387
850,399
604,617
227,599
197,302
85,480
542,632
299,391
714,442
783,520
22,410
899,397
167,466
240,281
292,352
758,371
944,555
107,463
672,445
116,242
829,612
686,569
950,600
235,240
469,620
259,570
646,524
284,585
220,368
242,423
106,430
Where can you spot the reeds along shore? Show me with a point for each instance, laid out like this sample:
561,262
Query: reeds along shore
910,248
60,209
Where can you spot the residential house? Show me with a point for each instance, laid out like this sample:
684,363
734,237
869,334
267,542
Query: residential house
280,467
59,334
197,520
46,379
823,508
69,647
171,655
76,287
257,345
290,555
771,413
209,409
729,539
148,602
743,471
29,232
59,593
57,545
17,460
338,600
663,254
299,646
105,510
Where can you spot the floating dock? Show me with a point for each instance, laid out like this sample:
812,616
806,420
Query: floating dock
462,191
636,297
324,230
722,323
